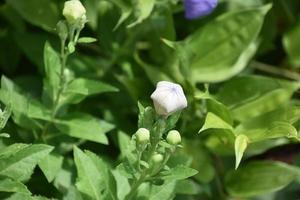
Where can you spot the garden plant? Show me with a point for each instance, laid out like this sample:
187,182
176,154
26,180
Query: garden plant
150,99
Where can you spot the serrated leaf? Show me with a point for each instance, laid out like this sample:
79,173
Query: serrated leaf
91,179
20,165
258,178
80,88
10,185
240,145
84,126
51,165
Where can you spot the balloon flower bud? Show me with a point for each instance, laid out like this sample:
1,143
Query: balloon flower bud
199,8
142,136
74,11
168,98
173,137
157,158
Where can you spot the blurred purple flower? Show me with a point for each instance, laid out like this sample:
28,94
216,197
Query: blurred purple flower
198,8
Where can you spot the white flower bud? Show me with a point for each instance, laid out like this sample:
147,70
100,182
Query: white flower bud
74,11
168,98
142,136
157,158
173,137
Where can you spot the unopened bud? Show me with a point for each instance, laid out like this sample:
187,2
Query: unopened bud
173,137
74,11
142,136
157,158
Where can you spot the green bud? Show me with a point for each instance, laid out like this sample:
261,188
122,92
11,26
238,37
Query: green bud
62,29
142,136
173,137
157,158
74,11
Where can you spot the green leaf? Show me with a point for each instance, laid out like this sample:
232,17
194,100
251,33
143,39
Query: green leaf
223,47
51,165
46,13
240,145
20,165
86,40
93,182
52,69
80,88
123,142
84,126
4,116
165,191
143,9
188,187
213,121
250,96
178,173
258,178
9,185
291,44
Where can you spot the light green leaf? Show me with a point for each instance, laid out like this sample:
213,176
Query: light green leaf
84,126
223,47
291,44
165,191
86,40
91,179
51,165
9,185
240,145
20,165
250,96
146,117
124,142
258,178
178,173
46,14
143,9
213,121
52,69
123,186
80,88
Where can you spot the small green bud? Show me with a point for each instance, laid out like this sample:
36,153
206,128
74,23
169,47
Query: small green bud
173,137
157,158
62,29
74,11
142,136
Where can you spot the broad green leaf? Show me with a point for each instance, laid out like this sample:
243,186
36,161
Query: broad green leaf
187,186
110,191
46,13
73,194
258,178
9,185
240,145
123,186
91,179
18,196
123,142
223,47
291,42
80,88
213,121
165,191
11,149
52,69
178,173
250,96
84,126
20,165
50,165
143,9
86,40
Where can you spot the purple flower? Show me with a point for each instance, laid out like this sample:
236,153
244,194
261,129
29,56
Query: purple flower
198,8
